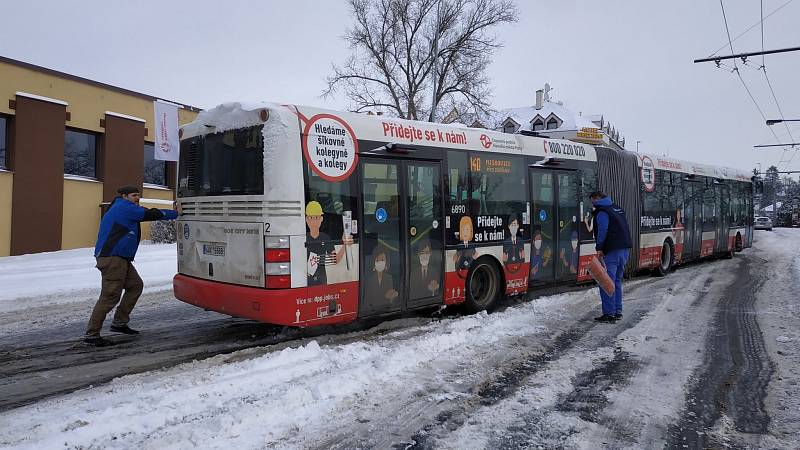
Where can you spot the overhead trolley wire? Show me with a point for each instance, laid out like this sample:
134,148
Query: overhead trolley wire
769,83
750,28
736,69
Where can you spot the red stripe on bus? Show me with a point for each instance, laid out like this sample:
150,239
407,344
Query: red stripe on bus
314,305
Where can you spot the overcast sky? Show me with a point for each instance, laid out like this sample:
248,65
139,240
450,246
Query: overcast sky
629,60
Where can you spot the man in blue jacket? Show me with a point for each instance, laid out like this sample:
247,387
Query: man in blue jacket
117,242
613,245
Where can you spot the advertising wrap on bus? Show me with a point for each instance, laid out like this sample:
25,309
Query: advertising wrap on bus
301,216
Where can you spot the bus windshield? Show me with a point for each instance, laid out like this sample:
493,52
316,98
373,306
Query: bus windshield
227,163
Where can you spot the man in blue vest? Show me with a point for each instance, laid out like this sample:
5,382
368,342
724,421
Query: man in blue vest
613,245
117,242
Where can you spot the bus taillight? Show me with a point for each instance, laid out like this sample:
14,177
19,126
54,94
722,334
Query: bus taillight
277,266
279,281
274,255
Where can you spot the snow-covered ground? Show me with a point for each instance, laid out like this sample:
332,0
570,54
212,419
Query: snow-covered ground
538,374
69,276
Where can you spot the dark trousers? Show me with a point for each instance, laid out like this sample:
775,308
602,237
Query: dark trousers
118,274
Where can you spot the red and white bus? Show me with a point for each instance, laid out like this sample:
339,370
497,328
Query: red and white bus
300,216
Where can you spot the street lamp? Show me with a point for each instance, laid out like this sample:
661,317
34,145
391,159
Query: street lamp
771,122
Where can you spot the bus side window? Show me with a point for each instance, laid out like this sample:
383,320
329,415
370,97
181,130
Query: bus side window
588,183
335,199
498,186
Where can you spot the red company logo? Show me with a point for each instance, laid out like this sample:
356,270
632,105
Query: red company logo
544,144
486,141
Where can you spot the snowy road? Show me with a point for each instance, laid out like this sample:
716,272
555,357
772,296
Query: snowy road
705,357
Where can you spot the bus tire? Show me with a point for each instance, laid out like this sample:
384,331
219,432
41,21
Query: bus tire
667,259
484,285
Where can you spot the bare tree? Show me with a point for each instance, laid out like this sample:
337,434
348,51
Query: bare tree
412,58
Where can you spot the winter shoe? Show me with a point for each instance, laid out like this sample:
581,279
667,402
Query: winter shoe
97,341
618,316
124,329
606,318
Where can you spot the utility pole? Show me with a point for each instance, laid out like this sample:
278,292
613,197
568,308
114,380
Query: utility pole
771,122
788,144
744,56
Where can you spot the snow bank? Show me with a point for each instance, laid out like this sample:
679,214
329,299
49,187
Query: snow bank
268,401
69,276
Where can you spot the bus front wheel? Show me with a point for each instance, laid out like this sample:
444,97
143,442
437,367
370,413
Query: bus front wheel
483,286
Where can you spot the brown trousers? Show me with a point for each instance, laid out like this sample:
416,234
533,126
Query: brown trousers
118,275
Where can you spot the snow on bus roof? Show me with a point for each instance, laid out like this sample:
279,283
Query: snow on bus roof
452,136
227,116
693,168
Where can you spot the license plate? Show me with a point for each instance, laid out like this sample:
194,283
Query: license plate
214,249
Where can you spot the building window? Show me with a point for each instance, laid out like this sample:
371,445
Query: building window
510,128
80,152
3,142
538,125
552,124
155,171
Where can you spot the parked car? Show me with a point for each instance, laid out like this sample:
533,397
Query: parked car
763,223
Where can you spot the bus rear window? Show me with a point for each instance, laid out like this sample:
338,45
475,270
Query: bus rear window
227,163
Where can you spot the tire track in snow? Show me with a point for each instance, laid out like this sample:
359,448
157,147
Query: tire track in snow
496,384
548,423
733,380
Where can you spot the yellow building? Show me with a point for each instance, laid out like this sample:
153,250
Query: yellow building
66,145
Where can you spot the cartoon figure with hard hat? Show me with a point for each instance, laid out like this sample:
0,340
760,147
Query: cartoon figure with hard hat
321,251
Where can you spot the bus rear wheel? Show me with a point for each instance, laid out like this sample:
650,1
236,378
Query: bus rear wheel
667,258
483,286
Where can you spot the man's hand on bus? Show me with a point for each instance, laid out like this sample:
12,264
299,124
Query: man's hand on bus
433,286
391,294
600,254
177,206
347,239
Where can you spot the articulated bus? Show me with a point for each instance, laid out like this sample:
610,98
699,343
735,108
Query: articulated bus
299,216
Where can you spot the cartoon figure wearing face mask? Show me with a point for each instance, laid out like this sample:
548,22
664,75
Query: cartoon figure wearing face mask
570,260
424,273
540,256
513,247
380,283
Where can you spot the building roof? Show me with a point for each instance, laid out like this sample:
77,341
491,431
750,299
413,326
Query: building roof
68,76
525,115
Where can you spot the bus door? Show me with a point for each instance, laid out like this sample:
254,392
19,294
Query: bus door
723,217
555,215
402,256
693,213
